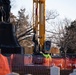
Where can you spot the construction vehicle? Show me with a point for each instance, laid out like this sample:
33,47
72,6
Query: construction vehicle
39,36
39,26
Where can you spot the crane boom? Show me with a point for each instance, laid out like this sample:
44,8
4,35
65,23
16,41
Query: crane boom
39,20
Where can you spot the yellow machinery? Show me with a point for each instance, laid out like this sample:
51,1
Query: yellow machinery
39,21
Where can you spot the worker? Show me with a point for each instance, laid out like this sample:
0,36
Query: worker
46,55
6,7
47,59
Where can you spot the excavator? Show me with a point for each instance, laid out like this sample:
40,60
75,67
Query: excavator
39,37
44,45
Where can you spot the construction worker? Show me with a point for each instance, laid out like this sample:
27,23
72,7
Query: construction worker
46,55
47,59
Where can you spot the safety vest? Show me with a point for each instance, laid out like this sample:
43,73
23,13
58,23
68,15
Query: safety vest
46,55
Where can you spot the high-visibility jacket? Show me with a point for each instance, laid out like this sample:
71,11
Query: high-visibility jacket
46,55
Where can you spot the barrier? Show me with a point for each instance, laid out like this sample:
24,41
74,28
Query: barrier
38,59
74,63
27,59
68,64
41,65
59,62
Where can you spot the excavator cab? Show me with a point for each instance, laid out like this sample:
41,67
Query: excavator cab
47,45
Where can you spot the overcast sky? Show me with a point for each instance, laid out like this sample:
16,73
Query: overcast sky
65,8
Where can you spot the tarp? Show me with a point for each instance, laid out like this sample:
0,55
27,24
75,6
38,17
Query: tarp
59,62
4,66
69,63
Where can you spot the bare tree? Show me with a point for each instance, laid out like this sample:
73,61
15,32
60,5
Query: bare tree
57,31
51,14
23,30
70,38
22,22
